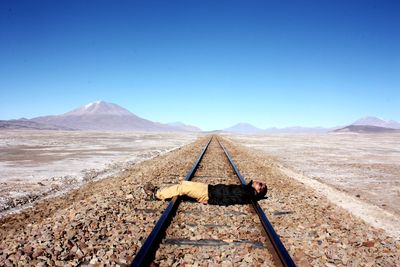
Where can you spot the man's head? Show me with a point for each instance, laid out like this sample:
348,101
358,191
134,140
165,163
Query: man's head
260,188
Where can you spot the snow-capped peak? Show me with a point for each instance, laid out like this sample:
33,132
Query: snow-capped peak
100,107
93,103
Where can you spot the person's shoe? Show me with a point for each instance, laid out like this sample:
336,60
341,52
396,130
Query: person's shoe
150,191
149,188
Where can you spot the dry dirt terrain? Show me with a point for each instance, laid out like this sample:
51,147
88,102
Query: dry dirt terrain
359,172
35,164
105,222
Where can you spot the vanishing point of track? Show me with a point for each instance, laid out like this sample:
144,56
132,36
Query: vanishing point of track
214,171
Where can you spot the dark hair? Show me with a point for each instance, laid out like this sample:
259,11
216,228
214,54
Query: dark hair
262,193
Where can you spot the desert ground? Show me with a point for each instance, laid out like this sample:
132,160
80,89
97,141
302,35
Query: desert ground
359,172
37,164
105,222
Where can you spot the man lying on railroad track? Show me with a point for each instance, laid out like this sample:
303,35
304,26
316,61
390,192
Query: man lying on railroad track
219,194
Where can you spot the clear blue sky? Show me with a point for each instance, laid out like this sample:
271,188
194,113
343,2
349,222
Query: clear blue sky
207,63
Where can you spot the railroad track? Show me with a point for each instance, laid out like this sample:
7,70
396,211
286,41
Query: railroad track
238,234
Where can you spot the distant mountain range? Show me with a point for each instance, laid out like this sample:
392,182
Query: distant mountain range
243,128
367,129
374,121
28,124
371,125
246,128
99,116
363,125
104,116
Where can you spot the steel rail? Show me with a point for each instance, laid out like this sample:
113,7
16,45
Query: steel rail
147,252
280,254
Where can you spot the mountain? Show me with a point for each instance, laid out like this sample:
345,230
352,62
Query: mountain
246,128
100,108
371,125
377,125
366,129
374,121
243,128
104,116
297,130
25,124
